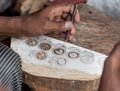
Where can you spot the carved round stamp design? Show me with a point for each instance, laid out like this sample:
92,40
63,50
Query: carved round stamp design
40,55
59,51
87,57
45,46
61,61
73,55
31,42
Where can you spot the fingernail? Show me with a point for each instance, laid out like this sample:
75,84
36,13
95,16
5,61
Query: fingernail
67,25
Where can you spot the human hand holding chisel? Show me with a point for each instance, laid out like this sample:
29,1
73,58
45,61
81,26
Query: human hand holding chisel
72,19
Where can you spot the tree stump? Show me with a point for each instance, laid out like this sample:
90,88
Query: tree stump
96,31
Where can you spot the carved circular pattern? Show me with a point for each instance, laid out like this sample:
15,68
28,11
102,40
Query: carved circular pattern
73,55
59,51
45,46
40,55
31,42
61,61
87,57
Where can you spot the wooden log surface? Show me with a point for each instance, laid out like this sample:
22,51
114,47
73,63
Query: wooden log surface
68,82
96,31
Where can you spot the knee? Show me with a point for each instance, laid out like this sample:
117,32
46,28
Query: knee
113,61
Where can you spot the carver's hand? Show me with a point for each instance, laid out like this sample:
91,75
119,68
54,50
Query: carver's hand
51,19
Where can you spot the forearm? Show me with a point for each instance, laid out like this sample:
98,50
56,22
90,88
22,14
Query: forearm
10,26
23,26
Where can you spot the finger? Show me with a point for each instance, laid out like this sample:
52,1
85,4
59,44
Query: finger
57,12
65,15
69,26
77,17
73,30
58,26
62,26
68,18
71,38
58,19
68,8
64,9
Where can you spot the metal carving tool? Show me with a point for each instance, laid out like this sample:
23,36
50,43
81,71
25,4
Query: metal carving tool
72,19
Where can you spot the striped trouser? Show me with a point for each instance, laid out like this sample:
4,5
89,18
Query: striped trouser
10,69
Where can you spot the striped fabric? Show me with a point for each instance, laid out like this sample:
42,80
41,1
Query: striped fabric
10,69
